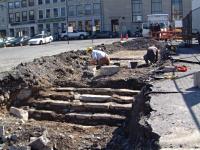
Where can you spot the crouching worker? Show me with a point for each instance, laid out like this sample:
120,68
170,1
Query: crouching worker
151,55
99,58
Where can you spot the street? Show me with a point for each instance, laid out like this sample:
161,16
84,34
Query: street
12,56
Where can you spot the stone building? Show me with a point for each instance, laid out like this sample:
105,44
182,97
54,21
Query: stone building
29,17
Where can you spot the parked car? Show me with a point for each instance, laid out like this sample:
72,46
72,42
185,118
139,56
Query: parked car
20,41
9,40
2,42
74,35
40,39
105,34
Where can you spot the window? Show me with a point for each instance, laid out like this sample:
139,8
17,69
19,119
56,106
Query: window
72,24
31,2
24,3
96,9
156,6
17,4
55,12
55,1
62,11
88,9
41,14
55,27
40,28
80,10
24,16
47,1
48,13
10,5
48,29
137,10
97,24
72,11
40,2
88,25
31,15
17,17
11,17
63,27
177,9
80,25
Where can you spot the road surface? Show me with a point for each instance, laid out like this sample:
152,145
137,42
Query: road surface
10,57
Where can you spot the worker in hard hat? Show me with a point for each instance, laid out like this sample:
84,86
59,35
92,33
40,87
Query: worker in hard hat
151,55
99,57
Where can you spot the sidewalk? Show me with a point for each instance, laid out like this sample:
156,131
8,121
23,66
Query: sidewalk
177,115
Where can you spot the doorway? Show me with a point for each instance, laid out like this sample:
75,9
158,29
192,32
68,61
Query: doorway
115,25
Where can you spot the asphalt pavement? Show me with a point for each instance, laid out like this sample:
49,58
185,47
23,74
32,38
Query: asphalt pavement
10,57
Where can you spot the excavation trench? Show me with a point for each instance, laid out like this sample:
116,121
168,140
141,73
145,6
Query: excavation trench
80,111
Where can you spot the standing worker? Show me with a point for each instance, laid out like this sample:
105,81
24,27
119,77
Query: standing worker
99,57
151,55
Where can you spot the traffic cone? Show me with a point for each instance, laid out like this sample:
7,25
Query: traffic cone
122,37
126,36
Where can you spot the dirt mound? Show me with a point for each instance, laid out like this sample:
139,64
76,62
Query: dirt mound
135,44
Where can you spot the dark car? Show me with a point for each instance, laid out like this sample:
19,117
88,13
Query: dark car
105,34
20,41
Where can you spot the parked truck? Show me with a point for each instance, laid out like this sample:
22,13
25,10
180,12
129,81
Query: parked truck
154,19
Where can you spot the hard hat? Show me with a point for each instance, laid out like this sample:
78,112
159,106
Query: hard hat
89,49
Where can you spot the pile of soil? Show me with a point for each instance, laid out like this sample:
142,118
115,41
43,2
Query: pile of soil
135,44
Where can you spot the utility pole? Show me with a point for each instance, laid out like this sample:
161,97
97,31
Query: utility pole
67,23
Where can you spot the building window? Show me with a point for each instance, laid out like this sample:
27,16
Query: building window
31,2
17,17
17,4
63,27
31,15
55,28
72,11
97,24
177,9
63,11
88,25
24,3
48,15
88,9
55,12
10,5
72,24
24,16
137,10
80,10
97,9
55,1
156,6
80,25
41,14
48,29
11,17
40,2
40,28
47,1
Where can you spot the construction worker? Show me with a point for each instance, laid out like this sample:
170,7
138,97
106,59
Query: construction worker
99,57
151,55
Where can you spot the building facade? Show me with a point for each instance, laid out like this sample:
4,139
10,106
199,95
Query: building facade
195,15
3,18
30,17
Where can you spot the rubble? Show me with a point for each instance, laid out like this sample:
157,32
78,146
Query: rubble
20,113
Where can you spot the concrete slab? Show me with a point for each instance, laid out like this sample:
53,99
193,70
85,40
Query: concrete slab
108,70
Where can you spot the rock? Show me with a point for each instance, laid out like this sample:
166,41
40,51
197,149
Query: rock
2,98
94,98
24,94
20,113
2,131
7,95
39,143
109,70
13,137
